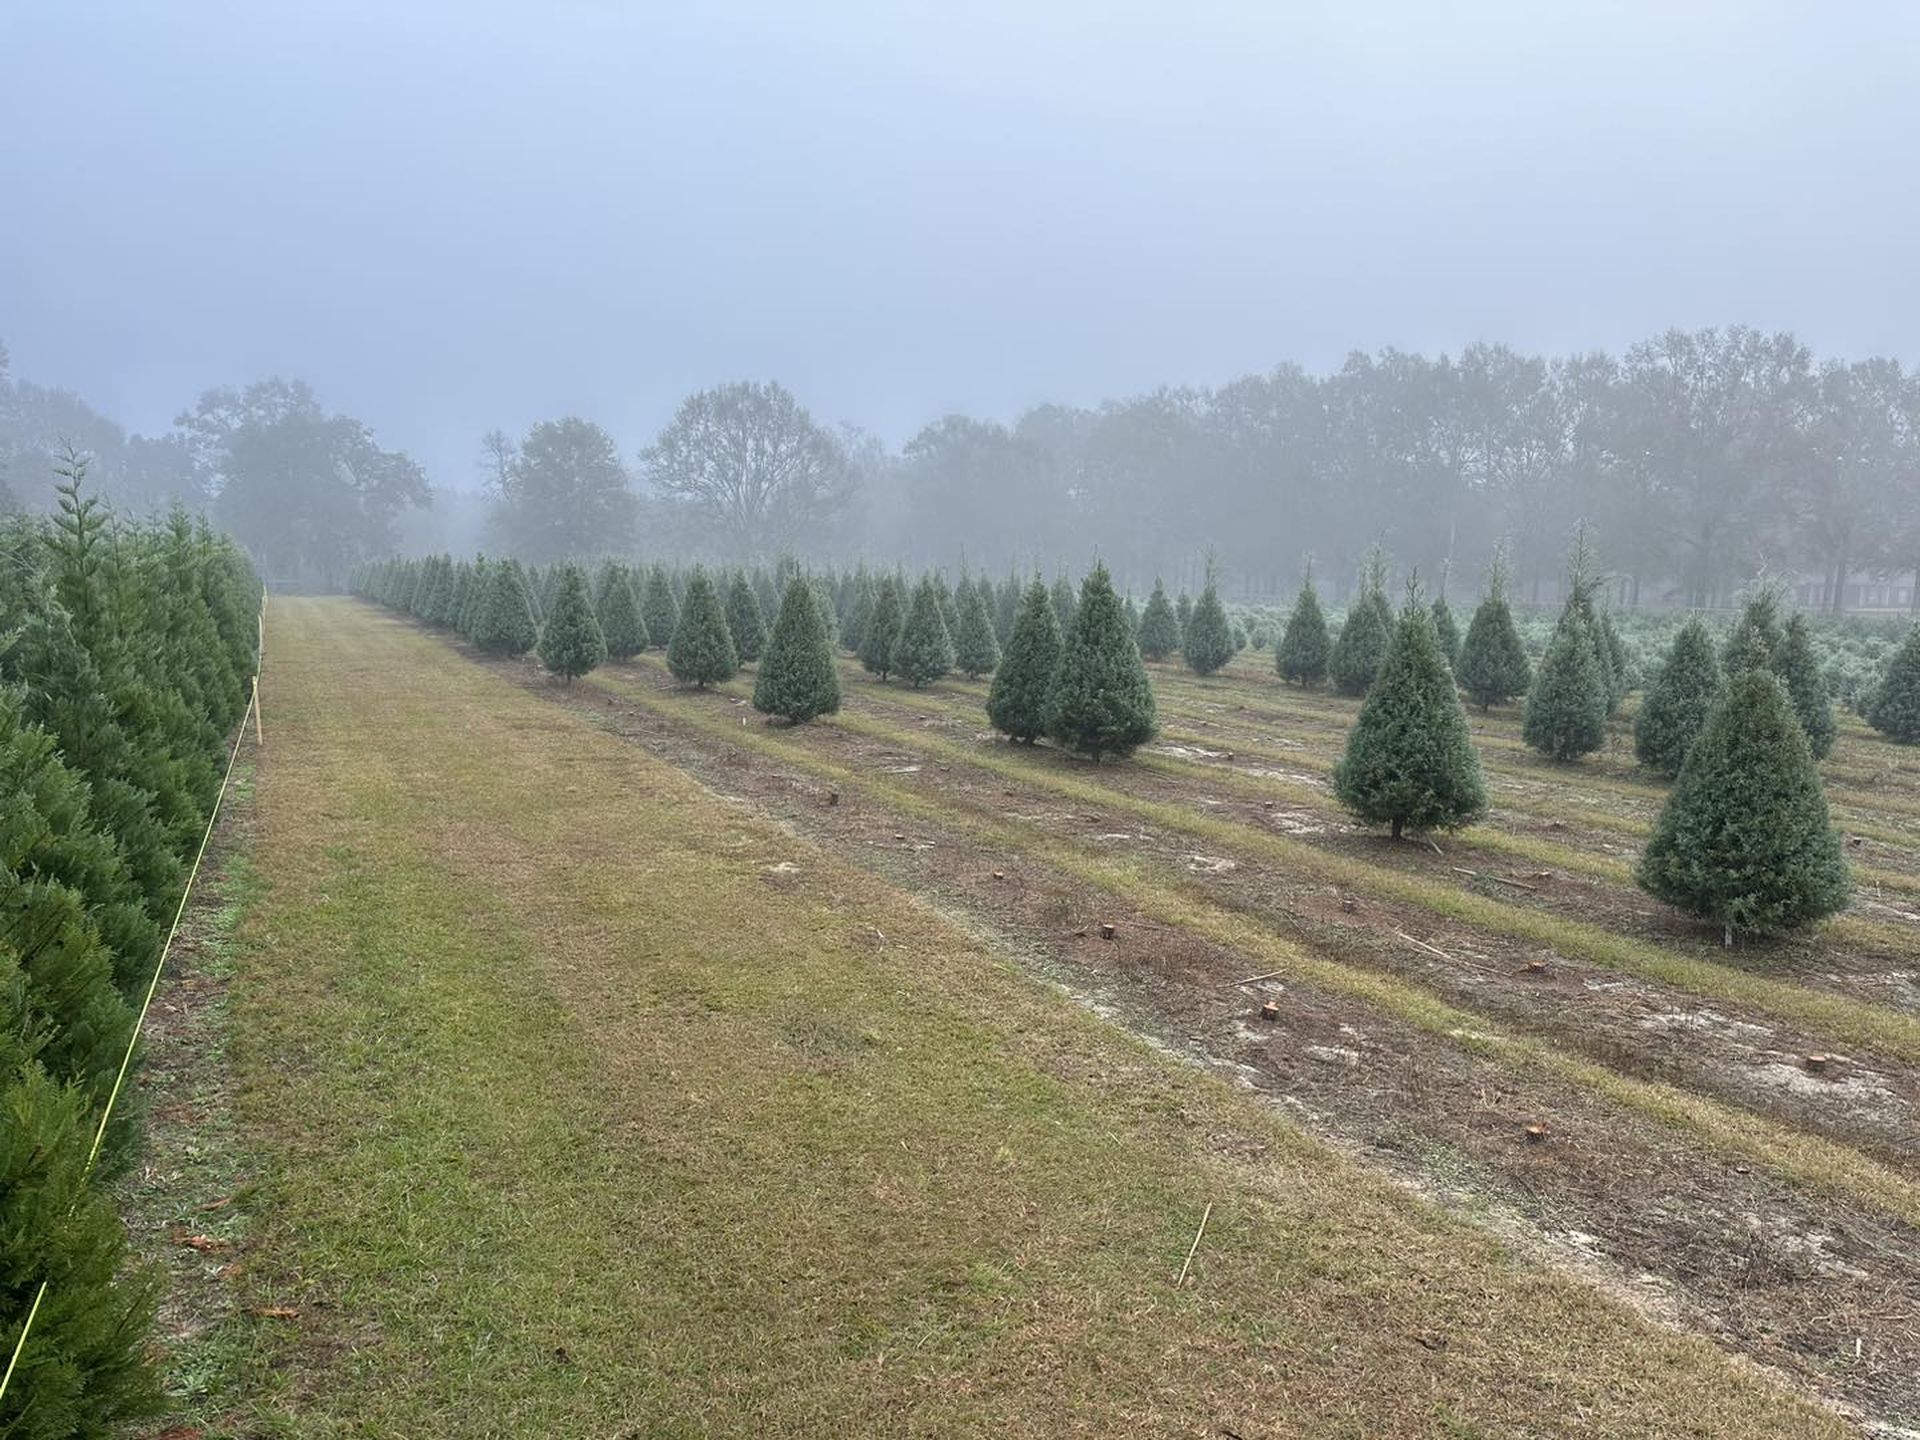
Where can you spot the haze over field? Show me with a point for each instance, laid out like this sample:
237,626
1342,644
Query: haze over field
451,217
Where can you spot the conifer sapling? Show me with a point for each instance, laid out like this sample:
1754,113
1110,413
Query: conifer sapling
1022,689
701,652
797,678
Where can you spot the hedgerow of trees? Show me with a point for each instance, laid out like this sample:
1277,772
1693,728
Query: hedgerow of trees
127,662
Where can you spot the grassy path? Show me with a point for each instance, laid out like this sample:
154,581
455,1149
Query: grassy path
588,1104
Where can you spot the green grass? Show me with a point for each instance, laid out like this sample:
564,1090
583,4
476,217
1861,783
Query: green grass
577,1118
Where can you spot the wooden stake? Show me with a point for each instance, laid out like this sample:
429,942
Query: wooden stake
1497,879
1422,945
1193,1248
258,737
1256,979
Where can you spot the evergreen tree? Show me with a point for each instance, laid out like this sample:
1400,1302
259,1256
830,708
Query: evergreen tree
767,591
1409,759
85,1371
1064,602
479,597
1894,708
1446,632
797,679
1619,669
1806,687
571,642
949,607
1304,651
1493,666
1102,702
923,652
745,620
1132,612
1022,689
823,597
1209,639
1183,612
1756,637
1006,608
1566,714
618,610
1362,647
883,628
701,652
975,651
859,609
505,625
658,608
1678,702
1744,839
1159,633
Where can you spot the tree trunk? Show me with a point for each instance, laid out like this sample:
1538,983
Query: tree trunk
1397,822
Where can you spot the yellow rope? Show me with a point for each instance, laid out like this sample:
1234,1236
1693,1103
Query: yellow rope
133,1039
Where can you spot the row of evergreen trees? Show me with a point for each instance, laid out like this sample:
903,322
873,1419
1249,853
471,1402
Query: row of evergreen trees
126,657
1409,761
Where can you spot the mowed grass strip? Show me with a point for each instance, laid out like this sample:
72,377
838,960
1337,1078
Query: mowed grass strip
1793,1154
582,1113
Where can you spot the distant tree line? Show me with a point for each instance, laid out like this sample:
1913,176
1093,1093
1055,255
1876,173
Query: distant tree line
126,652
1699,459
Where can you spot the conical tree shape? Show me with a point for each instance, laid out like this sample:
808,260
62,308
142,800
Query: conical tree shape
1022,689
1132,612
883,628
797,679
1446,632
1493,666
1102,700
571,643
1745,840
618,609
923,652
1304,652
975,651
658,608
1806,687
506,624
1757,637
1209,639
949,607
1410,761
1894,709
1159,633
701,652
1678,702
745,622
1183,612
1566,714
479,596
1362,647
1064,602
1619,672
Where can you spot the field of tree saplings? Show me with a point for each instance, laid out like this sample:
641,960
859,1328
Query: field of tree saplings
912,722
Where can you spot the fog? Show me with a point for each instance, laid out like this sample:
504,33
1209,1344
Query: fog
450,219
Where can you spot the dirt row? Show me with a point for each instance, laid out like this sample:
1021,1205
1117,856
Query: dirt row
1824,1288
1878,958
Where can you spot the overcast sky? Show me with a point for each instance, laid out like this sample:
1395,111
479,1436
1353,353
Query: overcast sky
452,216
